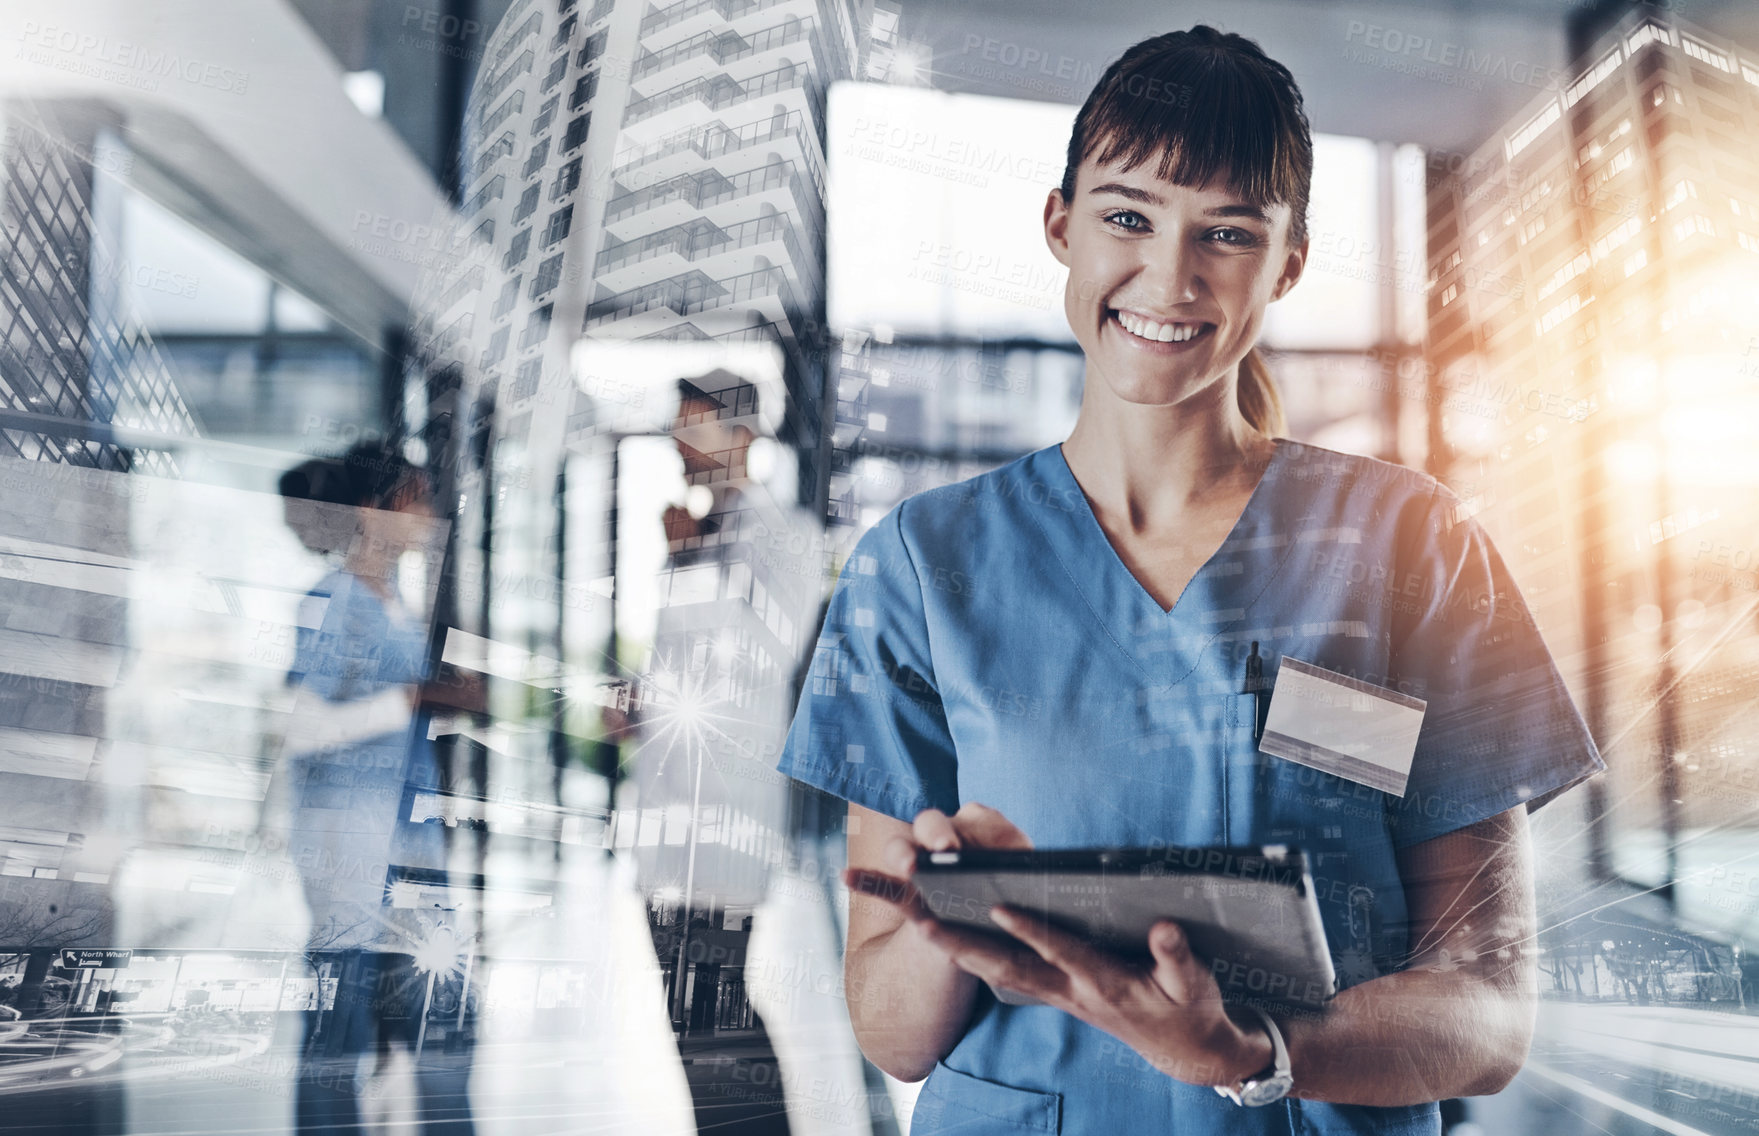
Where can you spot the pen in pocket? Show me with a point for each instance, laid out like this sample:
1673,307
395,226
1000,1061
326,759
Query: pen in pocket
1255,686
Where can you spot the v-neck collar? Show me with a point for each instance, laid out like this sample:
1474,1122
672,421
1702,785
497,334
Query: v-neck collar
1241,535
1213,602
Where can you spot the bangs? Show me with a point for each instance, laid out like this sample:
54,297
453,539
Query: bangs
1203,115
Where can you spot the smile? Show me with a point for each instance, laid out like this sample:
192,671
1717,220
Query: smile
1148,332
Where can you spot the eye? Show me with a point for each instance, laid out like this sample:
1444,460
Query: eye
1241,238
1115,215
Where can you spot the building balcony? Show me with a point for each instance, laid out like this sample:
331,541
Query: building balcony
702,244
640,311
651,118
675,22
717,50
709,193
688,149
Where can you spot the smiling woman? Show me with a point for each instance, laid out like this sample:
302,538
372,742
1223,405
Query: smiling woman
1176,531
1256,174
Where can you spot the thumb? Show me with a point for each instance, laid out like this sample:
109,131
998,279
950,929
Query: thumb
1176,969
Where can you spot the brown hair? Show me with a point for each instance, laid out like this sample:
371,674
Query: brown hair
1208,102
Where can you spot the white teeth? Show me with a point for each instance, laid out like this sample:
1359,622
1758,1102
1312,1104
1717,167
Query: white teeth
1159,332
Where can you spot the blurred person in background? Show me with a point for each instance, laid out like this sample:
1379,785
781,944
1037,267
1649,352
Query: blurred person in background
355,751
749,923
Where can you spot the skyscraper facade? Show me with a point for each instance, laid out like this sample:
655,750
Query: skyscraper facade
1591,275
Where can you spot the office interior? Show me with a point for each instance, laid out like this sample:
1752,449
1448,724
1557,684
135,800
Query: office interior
668,303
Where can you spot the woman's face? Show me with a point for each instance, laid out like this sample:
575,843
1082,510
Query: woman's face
1199,262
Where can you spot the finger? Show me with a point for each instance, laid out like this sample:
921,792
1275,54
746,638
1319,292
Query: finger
1059,948
988,828
1176,969
901,895
934,831
899,857
997,961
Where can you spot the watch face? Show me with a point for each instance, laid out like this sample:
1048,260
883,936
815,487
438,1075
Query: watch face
1266,1090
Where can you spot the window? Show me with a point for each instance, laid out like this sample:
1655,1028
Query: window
535,328
1619,163
540,153
592,48
1560,312
557,69
560,222
576,133
1681,190
497,348
546,114
517,249
504,302
1533,196
1607,65
1566,272
514,103
1532,129
549,274
584,88
565,31
527,203
491,191
525,383
1710,55
567,178
1612,240
1687,227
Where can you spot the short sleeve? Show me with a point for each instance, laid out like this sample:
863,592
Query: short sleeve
356,650
1500,728
870,726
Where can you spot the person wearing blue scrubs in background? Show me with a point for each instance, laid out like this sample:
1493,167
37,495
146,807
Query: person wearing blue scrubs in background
1064,639
367,687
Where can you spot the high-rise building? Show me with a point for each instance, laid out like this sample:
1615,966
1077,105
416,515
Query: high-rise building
1592,269
646,172
69,350
642,174
74,365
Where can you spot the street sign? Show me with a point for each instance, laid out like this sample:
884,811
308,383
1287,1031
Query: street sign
89,958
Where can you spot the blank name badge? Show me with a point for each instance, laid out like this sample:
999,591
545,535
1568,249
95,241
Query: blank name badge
1342,726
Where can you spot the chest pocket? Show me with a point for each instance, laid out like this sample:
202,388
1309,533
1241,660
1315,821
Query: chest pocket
952,1101
1336,822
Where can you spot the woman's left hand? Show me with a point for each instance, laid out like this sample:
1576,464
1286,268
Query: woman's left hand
1170,1011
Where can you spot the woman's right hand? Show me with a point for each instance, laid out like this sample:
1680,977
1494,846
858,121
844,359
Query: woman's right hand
908,1001
973,826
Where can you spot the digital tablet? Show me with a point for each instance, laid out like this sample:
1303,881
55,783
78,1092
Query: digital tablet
1249,913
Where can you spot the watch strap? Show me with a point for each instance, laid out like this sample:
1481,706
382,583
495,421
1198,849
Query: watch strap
1279,1059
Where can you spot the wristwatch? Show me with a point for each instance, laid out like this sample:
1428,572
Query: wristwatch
1269,1084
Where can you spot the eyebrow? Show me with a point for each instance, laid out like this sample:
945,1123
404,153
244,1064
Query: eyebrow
1251,212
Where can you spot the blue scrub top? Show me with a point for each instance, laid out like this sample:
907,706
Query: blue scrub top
985,643
349,827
